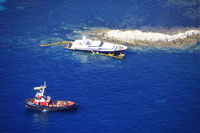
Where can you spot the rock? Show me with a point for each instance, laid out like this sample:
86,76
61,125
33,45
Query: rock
137,37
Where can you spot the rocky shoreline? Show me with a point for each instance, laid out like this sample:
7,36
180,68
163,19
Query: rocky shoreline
179,40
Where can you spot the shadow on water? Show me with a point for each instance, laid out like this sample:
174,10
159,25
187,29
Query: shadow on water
43,116
38,116
32,111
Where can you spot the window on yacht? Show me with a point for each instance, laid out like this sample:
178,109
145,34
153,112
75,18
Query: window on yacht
101,44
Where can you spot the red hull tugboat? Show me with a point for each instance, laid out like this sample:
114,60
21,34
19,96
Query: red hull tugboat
41,102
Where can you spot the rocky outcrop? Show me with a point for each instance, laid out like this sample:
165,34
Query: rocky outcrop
137,37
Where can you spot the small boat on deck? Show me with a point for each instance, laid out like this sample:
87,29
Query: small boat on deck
41,102
97,47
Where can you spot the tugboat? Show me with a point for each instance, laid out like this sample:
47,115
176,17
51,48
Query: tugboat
41,102
97,47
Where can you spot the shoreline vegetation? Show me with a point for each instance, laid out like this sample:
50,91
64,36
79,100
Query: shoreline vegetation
174,38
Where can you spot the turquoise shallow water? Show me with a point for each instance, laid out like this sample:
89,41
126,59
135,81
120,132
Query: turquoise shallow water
148,91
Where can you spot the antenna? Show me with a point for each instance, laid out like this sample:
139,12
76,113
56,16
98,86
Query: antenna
84,37
45,85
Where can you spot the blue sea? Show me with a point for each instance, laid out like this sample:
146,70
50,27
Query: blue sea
149,91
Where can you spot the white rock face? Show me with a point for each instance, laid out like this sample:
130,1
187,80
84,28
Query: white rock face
136,35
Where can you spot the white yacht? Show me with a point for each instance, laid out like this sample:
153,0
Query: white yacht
95,46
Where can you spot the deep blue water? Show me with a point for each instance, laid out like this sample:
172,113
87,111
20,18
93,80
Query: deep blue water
147,91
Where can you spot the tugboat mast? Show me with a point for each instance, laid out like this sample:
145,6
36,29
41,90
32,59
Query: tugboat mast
40,99
40,89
